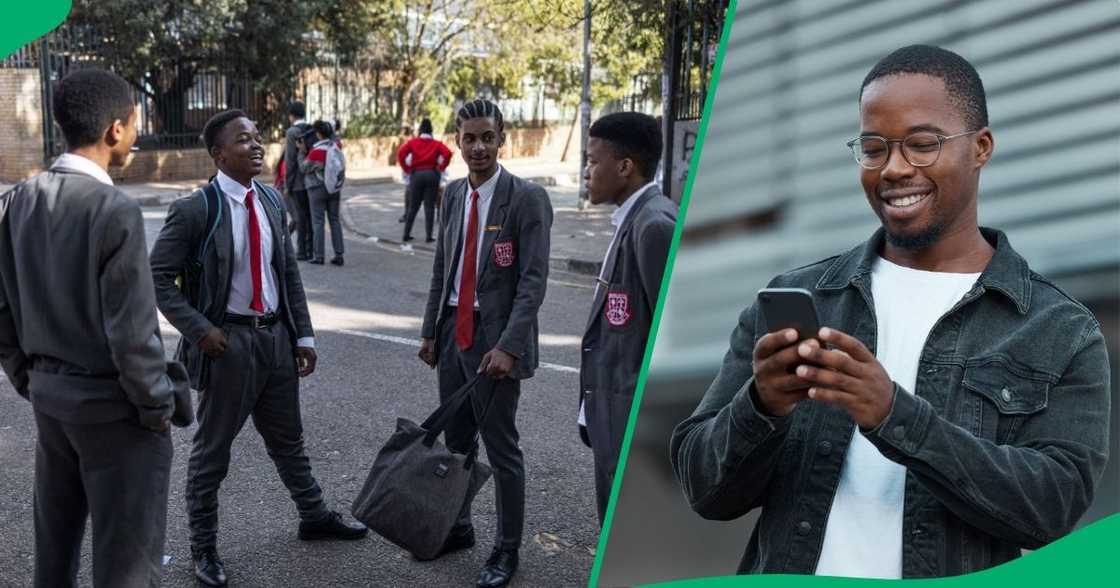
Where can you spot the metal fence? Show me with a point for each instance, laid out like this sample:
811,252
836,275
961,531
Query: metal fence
173,101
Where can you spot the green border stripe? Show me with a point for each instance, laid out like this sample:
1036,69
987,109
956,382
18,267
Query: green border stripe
1084,558
604,534
26,21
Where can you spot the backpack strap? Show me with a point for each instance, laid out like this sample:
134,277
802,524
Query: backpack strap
211,198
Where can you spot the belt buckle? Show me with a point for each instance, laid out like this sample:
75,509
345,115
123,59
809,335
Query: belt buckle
256,321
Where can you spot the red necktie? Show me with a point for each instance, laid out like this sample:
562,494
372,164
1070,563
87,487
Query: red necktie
254,253
464,317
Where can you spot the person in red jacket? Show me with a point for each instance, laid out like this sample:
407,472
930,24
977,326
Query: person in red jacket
424,158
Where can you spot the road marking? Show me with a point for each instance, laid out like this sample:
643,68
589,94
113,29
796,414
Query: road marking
414,343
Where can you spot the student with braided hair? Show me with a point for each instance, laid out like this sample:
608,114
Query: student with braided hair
488,282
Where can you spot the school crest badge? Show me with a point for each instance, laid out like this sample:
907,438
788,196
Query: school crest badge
503,253
618,309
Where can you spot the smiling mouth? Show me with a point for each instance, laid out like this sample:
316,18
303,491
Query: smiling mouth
906,201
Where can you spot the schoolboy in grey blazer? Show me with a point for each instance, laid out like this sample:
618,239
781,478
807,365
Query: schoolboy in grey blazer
622,154
485,320
79,338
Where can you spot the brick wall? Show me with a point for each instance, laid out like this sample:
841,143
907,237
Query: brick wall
21,124
21,143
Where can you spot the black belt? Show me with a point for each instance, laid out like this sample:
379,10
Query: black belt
257,322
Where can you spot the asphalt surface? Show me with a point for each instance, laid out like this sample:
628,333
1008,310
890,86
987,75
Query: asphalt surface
367,317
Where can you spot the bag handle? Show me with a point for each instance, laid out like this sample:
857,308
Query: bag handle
438,420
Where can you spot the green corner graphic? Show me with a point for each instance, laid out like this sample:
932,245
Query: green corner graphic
26,21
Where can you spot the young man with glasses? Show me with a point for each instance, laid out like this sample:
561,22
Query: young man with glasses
953,411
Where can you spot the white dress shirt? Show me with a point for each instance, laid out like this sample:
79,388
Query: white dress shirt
241,279
76,163
485,195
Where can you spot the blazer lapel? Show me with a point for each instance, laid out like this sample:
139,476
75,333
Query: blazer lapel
612,256
452,196
503,192
278,235
223,248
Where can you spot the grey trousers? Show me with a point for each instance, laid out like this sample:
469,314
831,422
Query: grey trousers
256,376
117,474
302,214
324,207
499,431
423,188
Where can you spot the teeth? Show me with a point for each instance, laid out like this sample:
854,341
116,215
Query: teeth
907,200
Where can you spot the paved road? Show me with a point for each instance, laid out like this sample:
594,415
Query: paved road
367,316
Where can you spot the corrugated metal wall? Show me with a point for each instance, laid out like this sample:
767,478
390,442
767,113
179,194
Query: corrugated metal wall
787,102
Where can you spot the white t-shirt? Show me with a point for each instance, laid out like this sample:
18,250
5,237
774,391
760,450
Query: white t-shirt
863,537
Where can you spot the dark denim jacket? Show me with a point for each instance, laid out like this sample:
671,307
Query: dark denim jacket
1004,439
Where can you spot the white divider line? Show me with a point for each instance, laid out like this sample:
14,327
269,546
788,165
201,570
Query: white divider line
415,343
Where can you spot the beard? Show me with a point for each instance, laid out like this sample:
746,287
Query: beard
925,238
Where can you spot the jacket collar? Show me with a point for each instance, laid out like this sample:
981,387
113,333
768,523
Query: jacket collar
1007,272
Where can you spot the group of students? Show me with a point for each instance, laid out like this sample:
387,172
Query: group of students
312,174
79,334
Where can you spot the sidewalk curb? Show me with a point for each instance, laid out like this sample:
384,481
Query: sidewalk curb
567,264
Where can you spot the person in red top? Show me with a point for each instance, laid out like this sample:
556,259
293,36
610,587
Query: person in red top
424,158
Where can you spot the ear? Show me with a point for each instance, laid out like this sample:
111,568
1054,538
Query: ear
985,145
115,133
626,167
501,136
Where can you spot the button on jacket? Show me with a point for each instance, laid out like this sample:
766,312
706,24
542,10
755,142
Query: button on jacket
1004,438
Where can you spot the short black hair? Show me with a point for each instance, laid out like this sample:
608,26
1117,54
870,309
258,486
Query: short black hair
426,126
216,124
962,82
323,127
480,108
633,136
297,108
87,101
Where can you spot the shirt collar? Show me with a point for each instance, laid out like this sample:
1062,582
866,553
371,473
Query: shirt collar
76,163
619,215
1006,273
425,135
230,187
299,122
486,190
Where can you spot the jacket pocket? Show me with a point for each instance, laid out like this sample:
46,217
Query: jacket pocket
1006,394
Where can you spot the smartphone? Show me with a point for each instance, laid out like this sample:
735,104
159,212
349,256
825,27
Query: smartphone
786,308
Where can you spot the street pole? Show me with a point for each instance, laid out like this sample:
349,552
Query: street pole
585,103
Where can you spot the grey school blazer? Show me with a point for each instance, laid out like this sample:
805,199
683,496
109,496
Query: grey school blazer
79,334
614,342
512,268
177,245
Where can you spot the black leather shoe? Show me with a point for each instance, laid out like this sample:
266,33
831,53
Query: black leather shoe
458,541
303,258
499,569
208,568
336,260
331,527
407,239
317,261
429,240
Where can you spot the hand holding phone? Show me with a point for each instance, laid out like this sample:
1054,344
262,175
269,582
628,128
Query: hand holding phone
790,318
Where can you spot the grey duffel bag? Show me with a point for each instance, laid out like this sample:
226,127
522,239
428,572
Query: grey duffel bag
417,487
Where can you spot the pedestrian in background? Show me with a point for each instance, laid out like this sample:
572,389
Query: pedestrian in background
293,178
323,167
423,158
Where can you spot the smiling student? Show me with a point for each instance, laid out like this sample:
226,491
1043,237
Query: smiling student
953,411
247,336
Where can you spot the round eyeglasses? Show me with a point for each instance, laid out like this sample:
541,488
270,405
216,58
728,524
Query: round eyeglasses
920,149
